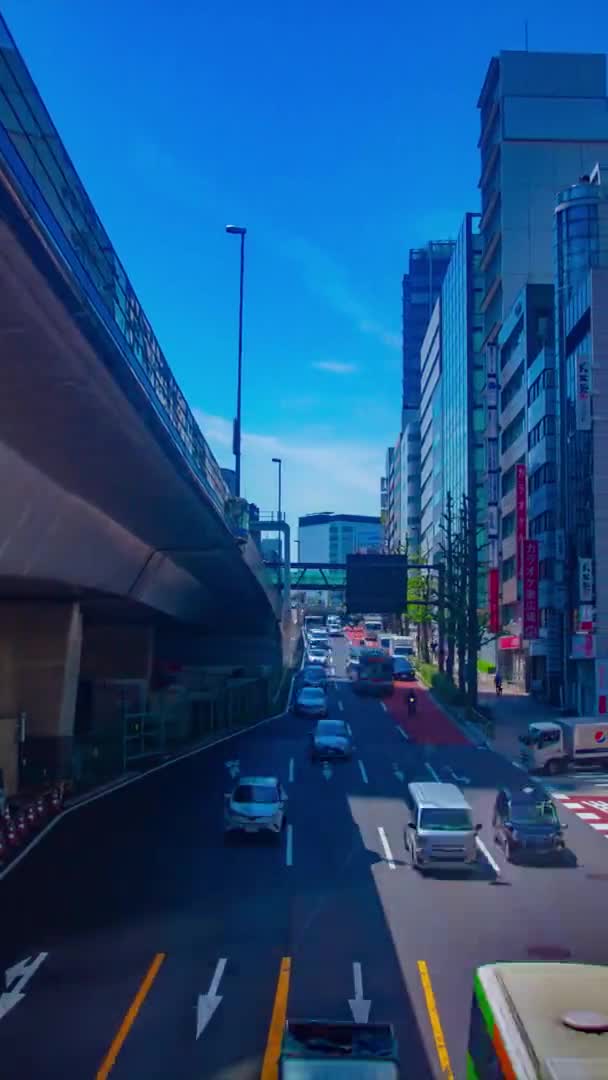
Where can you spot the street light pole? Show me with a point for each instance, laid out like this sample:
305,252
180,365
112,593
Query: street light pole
279,461
237,230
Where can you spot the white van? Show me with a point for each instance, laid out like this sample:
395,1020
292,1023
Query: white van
442,835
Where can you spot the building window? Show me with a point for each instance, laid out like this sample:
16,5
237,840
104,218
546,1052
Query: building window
546,474
545,427
513,387
545,381
507,569
544,522
508,525
546,570
511,345
511,433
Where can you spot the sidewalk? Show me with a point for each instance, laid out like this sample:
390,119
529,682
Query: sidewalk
512,712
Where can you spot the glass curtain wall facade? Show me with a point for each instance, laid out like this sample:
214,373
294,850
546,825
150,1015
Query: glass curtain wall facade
463,385
421,287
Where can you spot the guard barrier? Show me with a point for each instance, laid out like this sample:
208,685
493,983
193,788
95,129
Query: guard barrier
22,818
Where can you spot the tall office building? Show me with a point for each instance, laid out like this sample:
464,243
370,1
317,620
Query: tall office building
544,120
431,437
329,538
421,287
463,386
581,269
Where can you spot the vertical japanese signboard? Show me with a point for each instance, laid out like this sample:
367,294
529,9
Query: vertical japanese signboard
520,515
583,392
585,581
493,600
530,564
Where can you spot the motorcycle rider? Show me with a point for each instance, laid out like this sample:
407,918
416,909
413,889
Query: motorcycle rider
411,702
498,682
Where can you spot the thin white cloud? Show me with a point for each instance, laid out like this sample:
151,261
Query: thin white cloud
336,367
320,472
324,277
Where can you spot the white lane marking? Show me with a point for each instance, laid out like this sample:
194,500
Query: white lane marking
398,773
16,980
430,769
363,772
573,805
359,1006
403,734
601,826
291,770
341,706
142,776
349,729
387,851
289,846
482,847
558,795
208,1003
588,816
383,705
518,765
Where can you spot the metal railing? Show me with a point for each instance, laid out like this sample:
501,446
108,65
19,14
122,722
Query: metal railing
37,169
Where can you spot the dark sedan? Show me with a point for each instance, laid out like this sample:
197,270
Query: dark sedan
402,669
526,823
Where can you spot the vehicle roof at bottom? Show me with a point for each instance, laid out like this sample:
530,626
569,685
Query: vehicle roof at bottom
534,997
438,796
260,781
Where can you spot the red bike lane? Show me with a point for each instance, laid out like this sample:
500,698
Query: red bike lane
429,724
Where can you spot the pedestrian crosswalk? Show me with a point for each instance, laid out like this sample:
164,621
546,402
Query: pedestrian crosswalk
590,808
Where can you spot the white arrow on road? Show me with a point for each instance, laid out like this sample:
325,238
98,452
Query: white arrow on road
208,1003
234,768
359,1006
328,772
17,978
398,773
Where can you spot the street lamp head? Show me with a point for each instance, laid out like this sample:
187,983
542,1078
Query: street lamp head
277,460
236,230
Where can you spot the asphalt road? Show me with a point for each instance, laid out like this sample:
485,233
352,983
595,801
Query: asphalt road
136,899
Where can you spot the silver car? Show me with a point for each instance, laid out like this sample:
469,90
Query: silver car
258,804
317,656
330,740
310,701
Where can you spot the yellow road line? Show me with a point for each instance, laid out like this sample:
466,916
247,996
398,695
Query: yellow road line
270,1066
109,1061
429,997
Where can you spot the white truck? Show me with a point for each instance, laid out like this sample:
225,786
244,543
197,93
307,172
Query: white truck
555,745
403,645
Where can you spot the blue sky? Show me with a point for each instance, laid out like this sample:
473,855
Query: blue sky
341,134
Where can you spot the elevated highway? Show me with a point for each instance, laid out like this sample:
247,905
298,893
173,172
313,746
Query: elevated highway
114,510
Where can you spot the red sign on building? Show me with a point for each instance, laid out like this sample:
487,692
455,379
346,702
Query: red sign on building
520,515
509,642
493,600
530,620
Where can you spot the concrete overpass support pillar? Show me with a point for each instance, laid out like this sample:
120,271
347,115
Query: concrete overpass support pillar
118,651
40,647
